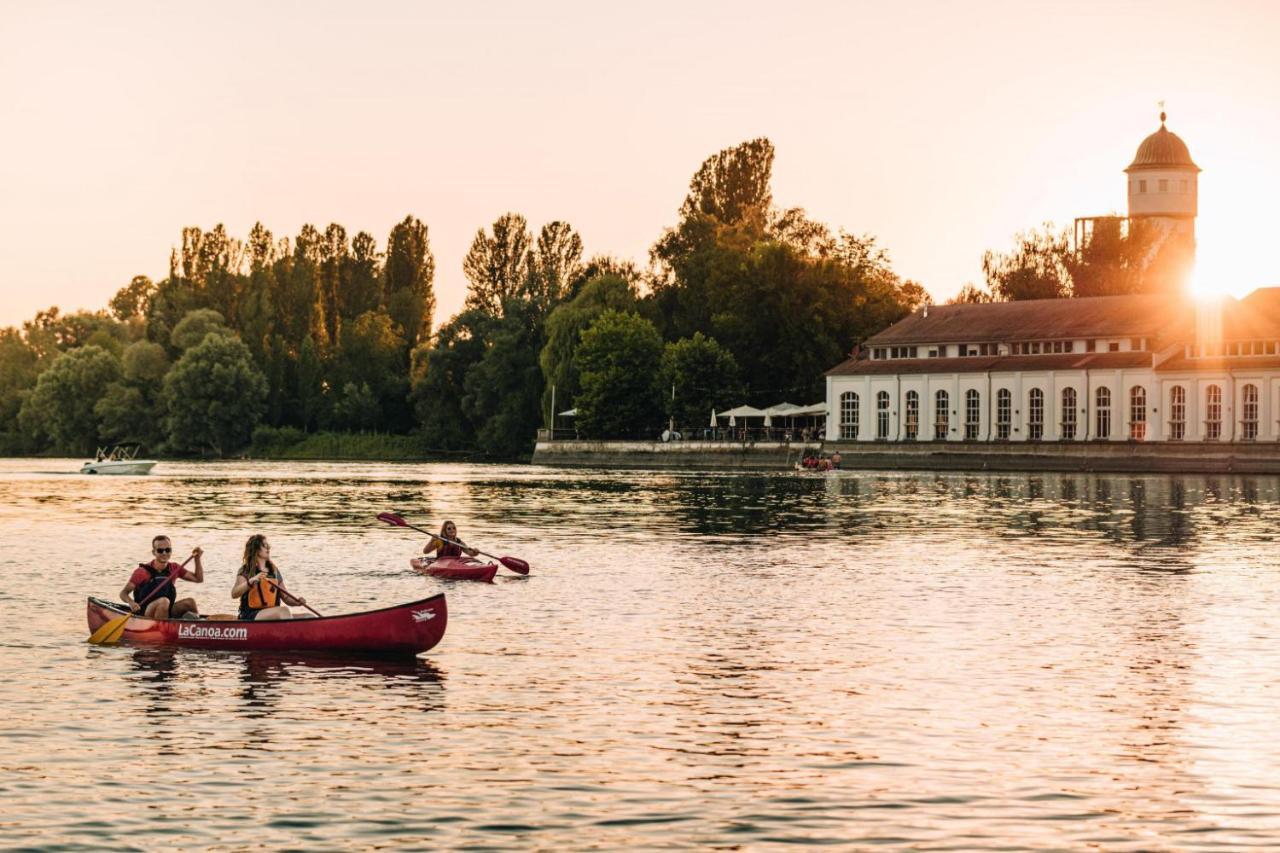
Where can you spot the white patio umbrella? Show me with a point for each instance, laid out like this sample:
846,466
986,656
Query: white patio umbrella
733,421
768,420
713,417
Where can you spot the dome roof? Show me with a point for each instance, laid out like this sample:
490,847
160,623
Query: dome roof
1162,150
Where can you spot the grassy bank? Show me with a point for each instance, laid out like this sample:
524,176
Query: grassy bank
289,443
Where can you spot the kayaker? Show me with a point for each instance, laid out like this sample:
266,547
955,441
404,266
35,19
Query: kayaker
256,585
456,548
149,575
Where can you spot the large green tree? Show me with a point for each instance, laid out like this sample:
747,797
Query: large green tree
19,367
782,293
497,264
554,263
61,406
131,300
371,360
410,280
1111,256
696,376
130,409
563,333
439,396
195,326
618,361
215,396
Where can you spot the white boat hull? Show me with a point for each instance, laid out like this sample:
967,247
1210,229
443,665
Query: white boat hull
132,466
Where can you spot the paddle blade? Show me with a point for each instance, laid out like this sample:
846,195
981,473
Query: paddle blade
393,519
515,564
109,633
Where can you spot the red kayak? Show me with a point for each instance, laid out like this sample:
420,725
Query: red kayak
405,629
455,568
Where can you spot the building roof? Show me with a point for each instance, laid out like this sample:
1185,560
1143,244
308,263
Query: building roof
1265,300
992,363
1239,364
1162,150
1042,319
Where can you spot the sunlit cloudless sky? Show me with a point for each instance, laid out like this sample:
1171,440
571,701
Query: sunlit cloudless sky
939,128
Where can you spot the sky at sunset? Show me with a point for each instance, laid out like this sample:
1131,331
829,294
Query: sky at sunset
940,128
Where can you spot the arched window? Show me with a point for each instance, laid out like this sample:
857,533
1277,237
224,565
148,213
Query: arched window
913,416
1102,410
1035,415
1138,413
1212,413
1249,413
1177,413
941,405
1004,413
1069,414
882,415
849,416
972,414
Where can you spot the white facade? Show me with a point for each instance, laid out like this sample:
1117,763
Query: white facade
1131,404
1163,192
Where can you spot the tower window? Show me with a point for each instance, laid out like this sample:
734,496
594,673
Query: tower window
1164,185
1142,186
1182,185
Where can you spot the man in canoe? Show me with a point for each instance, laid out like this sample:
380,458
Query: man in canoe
156,573
259,585
443,548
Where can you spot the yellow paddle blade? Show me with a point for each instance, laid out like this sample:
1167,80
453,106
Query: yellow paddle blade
110,632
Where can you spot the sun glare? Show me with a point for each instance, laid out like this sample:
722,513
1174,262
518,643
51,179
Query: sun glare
1233,249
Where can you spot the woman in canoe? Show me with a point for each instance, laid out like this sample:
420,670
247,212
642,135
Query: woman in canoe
258,585
447,544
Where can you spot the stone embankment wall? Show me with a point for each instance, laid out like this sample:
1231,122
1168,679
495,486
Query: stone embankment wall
732,455
1193,457
1128,457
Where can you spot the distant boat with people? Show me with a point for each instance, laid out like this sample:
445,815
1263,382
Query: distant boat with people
118,459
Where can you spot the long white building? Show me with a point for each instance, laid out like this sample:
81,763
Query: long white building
1117,368
1110,368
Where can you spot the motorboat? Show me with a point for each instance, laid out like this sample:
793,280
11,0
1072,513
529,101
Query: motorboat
118,459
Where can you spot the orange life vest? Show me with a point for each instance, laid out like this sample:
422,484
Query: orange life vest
261,595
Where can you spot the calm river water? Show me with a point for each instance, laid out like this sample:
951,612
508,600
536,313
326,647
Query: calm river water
697,660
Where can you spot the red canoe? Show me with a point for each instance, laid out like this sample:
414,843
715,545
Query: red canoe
405,629
455,568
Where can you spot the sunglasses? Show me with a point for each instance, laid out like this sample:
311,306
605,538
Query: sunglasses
164,550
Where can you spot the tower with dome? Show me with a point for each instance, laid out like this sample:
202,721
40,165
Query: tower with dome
1160,226
1162,182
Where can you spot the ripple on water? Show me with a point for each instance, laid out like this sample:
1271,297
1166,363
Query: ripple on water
934,661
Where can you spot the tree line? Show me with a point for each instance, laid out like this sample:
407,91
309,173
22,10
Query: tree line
741,302
1112,257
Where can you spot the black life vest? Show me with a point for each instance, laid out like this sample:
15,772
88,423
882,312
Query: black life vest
142,591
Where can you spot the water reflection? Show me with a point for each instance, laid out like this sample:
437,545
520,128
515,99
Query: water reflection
967,660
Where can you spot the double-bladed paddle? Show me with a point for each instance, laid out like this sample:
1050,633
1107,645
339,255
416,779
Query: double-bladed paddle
109,633
515,564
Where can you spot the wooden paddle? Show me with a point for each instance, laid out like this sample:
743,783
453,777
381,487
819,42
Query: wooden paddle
109,633
515,564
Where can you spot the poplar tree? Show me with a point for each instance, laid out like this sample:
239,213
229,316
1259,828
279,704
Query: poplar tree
410,279
497,264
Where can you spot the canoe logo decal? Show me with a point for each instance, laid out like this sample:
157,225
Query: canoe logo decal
423,615
212,632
